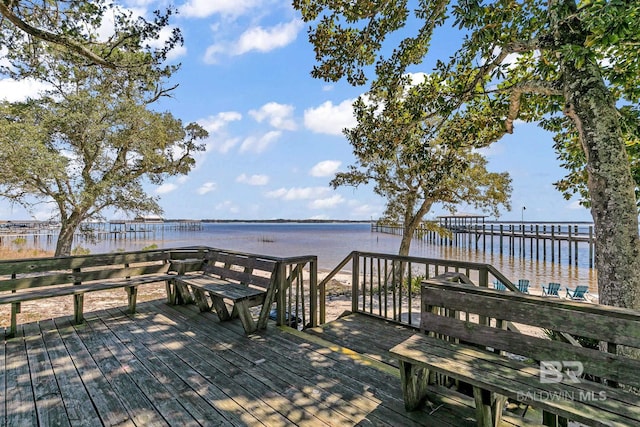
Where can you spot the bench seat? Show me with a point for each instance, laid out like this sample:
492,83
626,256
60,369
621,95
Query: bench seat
34,279
495,377
78,291
472,335
66,290
244,281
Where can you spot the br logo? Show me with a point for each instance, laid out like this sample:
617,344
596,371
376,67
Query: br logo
555,371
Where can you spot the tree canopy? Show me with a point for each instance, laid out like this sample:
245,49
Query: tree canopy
90,147
96,32
92,140
411,168
529,60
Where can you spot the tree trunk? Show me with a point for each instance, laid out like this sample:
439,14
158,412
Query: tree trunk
405,243
68,229
611,187
410,225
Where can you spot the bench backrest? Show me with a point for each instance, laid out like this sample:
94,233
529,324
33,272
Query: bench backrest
51,271
479,316
245,269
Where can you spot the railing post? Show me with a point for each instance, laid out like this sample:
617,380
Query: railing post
483,277
313,290
355,278
282,288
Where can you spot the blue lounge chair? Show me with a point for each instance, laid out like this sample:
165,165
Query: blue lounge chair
523,286
578,293
551,290
499,286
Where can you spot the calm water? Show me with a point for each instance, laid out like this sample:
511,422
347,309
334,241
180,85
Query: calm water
333,242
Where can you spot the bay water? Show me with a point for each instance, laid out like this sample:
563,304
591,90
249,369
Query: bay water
332,242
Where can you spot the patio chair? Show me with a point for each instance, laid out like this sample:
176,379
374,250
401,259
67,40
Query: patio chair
578,293
523,286
498,285
551,290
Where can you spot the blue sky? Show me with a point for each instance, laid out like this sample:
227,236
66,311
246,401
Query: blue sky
275,133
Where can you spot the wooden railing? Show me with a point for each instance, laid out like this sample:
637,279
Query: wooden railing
297,303
388,286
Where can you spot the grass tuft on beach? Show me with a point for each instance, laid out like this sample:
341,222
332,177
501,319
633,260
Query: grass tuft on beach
11,253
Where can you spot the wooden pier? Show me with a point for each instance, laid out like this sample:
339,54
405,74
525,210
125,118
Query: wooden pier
37,233
542,241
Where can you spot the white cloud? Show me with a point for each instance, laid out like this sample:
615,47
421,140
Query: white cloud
298,193
207,187
319,217
212,52
253,179
330,119
222,144
205,8
575,205
215,125
325,168
157,43
19,90
227,205
265,40
417,78
278,115
360,211
166,188
258,145
255,39
327,203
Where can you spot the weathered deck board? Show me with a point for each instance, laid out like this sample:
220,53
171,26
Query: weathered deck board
261,363
364,335
352,405
74,395
169,369
21,409
104,398
49,407
354,373
175,366
159,337
3,391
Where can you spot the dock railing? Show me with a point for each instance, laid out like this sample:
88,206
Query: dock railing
297,302
388,286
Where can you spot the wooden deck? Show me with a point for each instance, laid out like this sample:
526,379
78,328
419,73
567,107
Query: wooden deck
175,366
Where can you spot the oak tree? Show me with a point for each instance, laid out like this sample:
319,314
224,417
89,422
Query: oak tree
91,140
526,60
413,167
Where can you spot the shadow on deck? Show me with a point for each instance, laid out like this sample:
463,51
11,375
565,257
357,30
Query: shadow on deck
175,366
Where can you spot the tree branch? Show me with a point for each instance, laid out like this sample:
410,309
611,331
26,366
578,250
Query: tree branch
537,87
52,37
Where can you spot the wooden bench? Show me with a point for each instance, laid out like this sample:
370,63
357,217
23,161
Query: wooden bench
471,340
243,280
40,278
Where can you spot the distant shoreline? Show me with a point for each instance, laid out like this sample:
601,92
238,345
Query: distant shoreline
280,221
